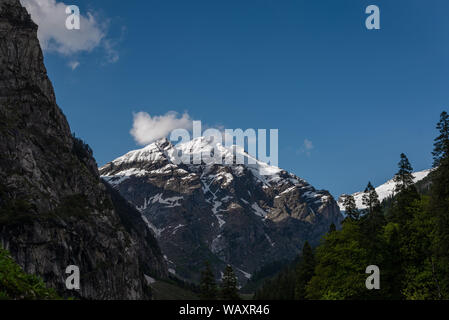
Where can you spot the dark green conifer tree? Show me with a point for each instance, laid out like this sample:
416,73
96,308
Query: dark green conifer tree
404,177
398,247
351,210
439,205
372,223
304,271
208,287
229,289
406,193
441,143
370,198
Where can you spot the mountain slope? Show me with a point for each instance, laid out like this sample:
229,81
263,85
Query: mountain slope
227,214
384,190
54,209
15,284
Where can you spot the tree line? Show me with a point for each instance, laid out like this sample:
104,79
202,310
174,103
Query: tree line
226,290
408,240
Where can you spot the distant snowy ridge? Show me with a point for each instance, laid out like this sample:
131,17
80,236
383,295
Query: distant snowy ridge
384,190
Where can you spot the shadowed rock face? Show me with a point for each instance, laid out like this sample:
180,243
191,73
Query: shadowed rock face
227,214
54,209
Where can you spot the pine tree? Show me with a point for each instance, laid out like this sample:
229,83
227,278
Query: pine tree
372,222
351,210
404,177
370,198
392,262
304,272
208,287
420,272
440,202
401,207
441,145
229,289
332,228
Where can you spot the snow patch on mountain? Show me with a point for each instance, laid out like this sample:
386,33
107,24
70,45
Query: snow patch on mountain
384,190
258,210
190,206
124,175
177,227
245,274
170,202
195,150
157,232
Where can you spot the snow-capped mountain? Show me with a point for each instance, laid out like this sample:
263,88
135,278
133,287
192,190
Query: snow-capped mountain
384,190
223,213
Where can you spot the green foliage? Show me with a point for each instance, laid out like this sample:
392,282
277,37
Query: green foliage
208,286
15,211
263,274
404,177
402,206
405,249
76,205
229,289
341,264
174,289
16,284
280,287
439,206
351,210
81,149
305,271
21,211
407,237
84,154
370,198
441,144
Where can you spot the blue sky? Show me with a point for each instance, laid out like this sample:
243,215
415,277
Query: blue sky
308,68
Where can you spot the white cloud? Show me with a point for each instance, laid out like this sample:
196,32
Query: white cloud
74,64
50,16
112,55
306,147
147,128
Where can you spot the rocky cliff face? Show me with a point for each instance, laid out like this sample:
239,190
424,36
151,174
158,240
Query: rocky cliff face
227,214
54,209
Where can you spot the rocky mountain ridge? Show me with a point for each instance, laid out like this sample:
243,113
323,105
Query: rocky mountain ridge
54,209
224,213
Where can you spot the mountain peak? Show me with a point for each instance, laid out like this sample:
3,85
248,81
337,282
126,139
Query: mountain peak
163,143
194,153
228,211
